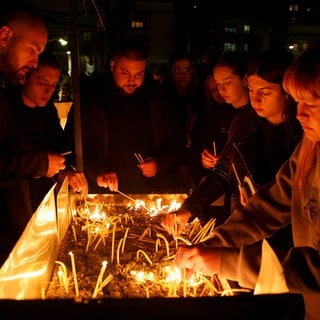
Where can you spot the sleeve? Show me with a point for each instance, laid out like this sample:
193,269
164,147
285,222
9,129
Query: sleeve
15,165
268,210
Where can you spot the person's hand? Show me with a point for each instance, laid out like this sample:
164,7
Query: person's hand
55,164
148,167
198,258
208,159
78,182
174,222
108,180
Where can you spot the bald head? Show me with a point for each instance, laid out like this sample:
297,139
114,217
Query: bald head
23,36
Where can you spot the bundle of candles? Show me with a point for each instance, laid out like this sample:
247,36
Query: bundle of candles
114,251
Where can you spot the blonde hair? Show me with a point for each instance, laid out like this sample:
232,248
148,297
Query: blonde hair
302,82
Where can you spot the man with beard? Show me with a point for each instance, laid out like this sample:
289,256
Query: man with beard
23,36
136,145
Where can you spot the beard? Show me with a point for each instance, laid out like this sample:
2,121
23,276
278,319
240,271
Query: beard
8,69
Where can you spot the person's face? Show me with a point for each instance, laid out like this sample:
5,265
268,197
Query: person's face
215,94
267,99
182,72
40,85
22,50
128,74
309,116
232,88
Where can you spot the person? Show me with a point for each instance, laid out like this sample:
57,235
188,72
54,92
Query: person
230,76
136,145
292,198
210,132
181,85
268,135
38,124
160,72
23,35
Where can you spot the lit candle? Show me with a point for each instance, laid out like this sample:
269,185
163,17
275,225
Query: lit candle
99,281
184,282
74,274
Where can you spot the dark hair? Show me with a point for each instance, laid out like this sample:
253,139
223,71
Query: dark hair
20,11
131,49
234,60
179,55
271,65
47,58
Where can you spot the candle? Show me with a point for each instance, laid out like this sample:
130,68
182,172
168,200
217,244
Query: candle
124,239
214,148
74,273
146,256
118,251
63,274
184,282
113,240
165,241
99,281
74,234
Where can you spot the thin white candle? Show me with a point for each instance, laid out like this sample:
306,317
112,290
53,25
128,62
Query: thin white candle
124,240
113,240
214,148
99,281
74,273
118,251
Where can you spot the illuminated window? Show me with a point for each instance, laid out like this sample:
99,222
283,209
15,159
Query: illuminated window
229,46
87,36
246,28
293,7
136,24
230,29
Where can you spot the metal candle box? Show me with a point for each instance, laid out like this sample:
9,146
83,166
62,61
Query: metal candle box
25,277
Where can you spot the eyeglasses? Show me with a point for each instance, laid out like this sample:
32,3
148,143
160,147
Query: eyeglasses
182,70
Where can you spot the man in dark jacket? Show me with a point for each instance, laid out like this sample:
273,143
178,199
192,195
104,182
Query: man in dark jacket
126,116
23,35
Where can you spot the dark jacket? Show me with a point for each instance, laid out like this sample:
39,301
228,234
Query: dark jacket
115,126
39,130
263,148
213,127
15,168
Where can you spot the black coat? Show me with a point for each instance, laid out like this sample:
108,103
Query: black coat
115,126
15,167
264,148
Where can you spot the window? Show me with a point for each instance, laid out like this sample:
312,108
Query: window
136,24
246,28
229,46
230,29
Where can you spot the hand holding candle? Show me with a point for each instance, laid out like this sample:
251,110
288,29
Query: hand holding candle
108,180
208,159
148,167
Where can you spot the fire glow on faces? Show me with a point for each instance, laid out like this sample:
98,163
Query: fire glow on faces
267,99
128,74
22,51
40,85
309,116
